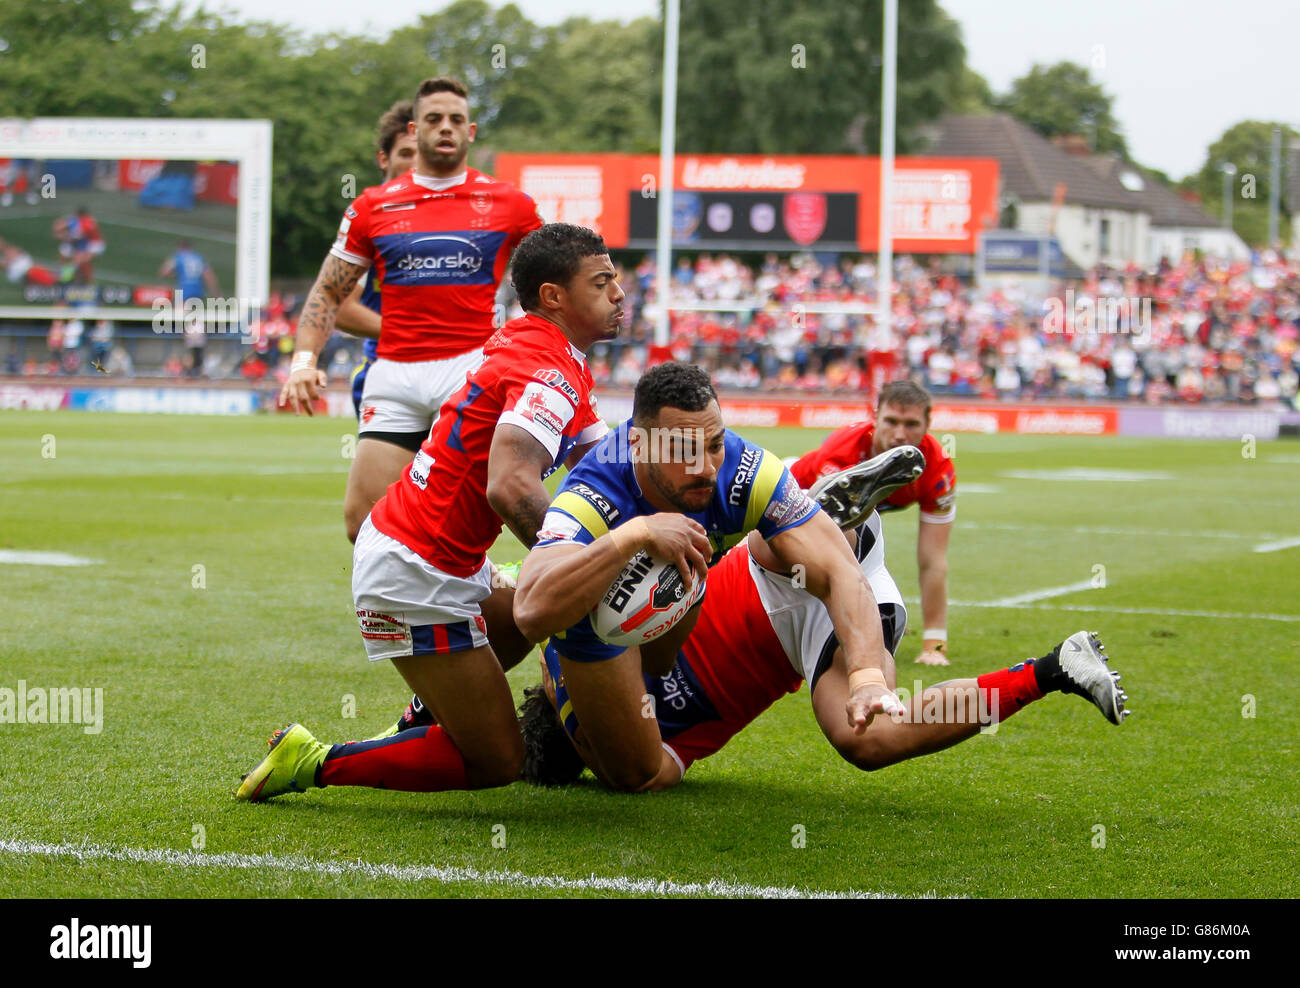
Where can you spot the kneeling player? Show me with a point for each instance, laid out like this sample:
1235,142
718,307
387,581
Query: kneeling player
759,637
423,587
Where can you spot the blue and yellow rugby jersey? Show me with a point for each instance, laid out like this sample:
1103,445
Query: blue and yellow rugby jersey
754,492
370,349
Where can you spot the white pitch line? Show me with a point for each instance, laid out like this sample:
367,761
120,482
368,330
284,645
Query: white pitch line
420,873
1106,609
1187,533
1033,595
34,558
1277,546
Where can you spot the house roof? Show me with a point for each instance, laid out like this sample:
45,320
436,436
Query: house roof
1167,207
1031,165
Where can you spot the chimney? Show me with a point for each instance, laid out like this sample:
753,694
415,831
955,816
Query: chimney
1076,144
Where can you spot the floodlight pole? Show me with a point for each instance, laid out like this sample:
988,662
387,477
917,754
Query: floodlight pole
885,268
1274,185
667,142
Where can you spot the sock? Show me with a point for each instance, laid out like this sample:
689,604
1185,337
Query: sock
1016,687
422,759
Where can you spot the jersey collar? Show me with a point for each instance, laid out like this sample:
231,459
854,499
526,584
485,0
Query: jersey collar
439,184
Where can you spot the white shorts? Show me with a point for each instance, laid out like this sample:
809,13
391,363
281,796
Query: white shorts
801,621
407,606
404,398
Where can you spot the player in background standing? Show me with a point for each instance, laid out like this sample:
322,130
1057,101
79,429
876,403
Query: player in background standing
359,313
194,279
439,238
422,584
903,419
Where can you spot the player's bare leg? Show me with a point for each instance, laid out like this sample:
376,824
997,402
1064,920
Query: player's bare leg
618,720
475,743
508,644
887,739
377,464
950,712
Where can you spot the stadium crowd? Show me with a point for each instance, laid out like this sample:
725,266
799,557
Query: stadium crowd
1209,332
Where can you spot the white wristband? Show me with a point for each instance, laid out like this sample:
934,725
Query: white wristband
302,360
940,634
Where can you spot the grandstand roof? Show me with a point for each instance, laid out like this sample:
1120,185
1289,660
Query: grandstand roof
1031,165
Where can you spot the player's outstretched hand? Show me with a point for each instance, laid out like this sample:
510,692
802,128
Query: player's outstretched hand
871,699
302,388
681,540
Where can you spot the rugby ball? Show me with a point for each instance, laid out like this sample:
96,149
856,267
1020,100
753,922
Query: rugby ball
647,599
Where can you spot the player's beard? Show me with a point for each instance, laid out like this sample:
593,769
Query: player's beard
438,161
677,497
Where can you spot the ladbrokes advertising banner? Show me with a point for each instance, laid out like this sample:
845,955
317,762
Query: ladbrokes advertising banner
758,202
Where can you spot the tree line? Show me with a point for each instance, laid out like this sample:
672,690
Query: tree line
755,76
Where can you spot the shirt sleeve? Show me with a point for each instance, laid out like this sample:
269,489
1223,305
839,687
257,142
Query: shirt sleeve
353,243
938,501
527,217
777,503
540,409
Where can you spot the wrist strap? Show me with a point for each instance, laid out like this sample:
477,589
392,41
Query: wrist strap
935,634
302,360
864,676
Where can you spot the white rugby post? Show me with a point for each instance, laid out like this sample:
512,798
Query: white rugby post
667,142
889,84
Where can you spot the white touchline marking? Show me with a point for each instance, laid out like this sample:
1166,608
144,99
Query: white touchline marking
1090,475
33,558
421,873
1107,609
1277,546
1027,598
1114,530
979,489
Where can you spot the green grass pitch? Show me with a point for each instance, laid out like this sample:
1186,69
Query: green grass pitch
1196,795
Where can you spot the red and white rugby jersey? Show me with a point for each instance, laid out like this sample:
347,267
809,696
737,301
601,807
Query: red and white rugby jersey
935,490
440,248
532,378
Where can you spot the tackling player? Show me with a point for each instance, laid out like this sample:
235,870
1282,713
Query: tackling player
675,483
422,584
760,637
359,313
439,238
903,419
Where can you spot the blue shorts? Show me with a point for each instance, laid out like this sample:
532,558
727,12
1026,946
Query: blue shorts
359,384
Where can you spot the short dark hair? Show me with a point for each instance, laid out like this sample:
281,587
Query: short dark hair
552,253
904,393
549,756
440,84
393,124
671,385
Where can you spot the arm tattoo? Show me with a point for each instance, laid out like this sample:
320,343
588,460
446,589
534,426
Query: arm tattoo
335,282
525,515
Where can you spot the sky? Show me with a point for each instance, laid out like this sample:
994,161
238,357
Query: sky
1180,71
